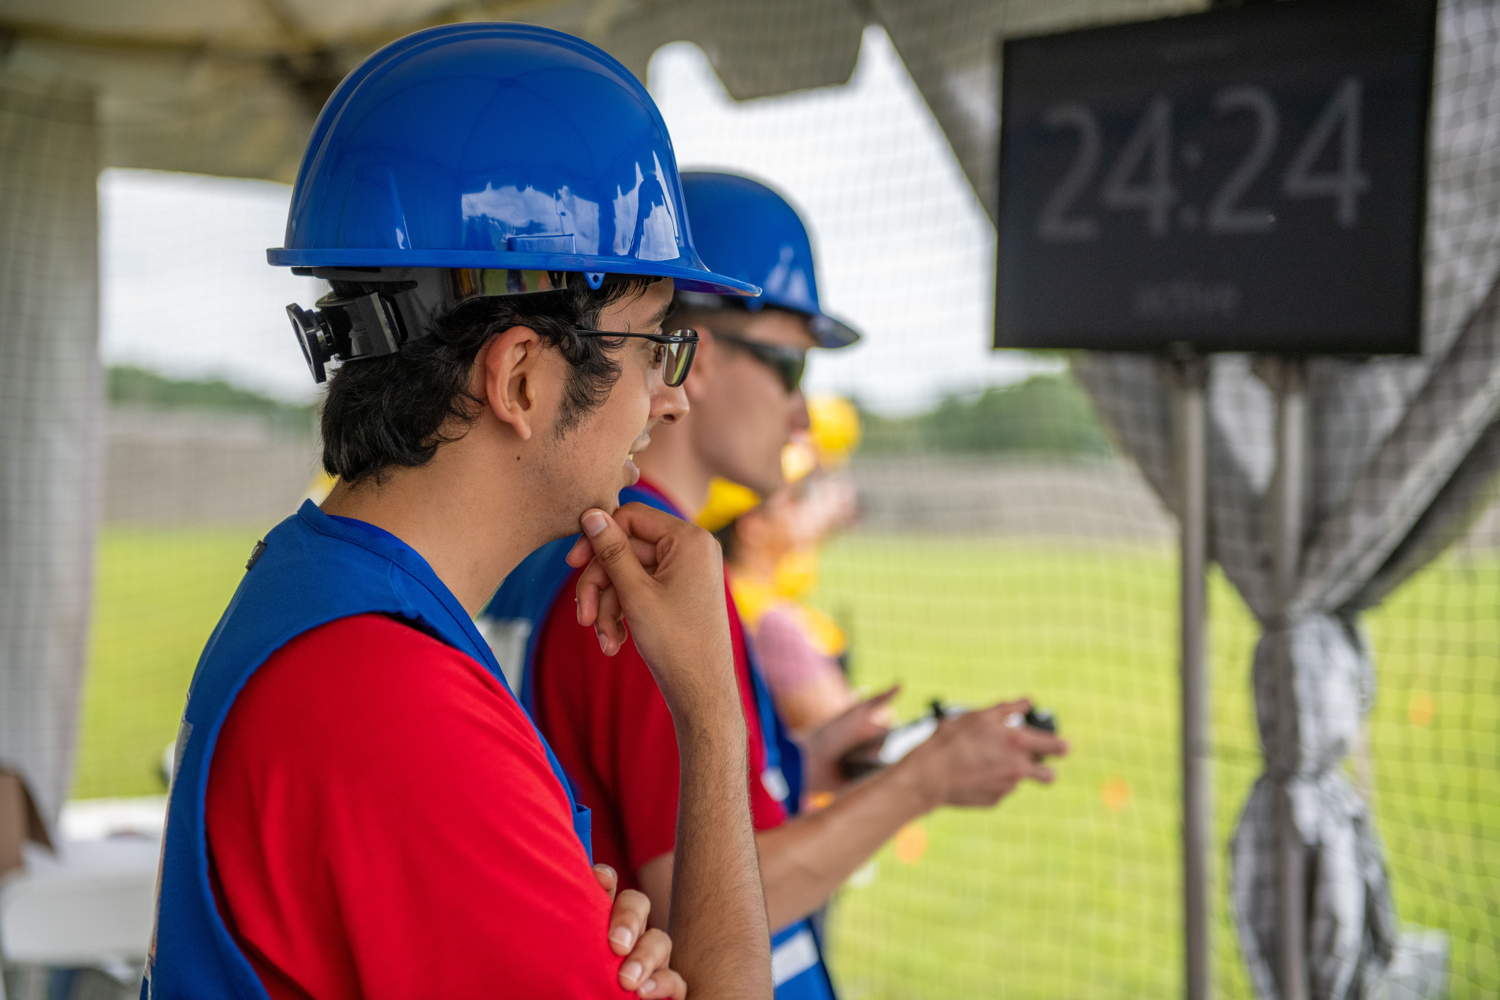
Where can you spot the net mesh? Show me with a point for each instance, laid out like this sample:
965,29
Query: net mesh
1028,557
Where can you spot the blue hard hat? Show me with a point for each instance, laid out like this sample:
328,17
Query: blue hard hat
498,147
745,229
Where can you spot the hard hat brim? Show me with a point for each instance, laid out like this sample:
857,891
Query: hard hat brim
832,333
828,332
686,277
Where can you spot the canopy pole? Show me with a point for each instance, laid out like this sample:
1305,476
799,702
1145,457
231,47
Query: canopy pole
1288,487
52,412
1191,444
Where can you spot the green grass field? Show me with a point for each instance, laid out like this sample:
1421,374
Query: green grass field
1070,891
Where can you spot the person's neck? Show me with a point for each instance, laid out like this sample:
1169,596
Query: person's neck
472,530
674,468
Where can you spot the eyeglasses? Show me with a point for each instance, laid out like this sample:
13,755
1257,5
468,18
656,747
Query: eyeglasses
674,350
787,362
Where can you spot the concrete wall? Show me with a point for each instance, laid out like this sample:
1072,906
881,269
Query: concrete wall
176,467
169,468
1102,499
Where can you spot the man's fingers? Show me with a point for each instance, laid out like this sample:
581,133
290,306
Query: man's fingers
1006,709
645,522
627,921
645,552
877,708
610,612
596,599
652,954
1039,741
580,554
664,985
1041,773
608,880
591,582
609,623
612,550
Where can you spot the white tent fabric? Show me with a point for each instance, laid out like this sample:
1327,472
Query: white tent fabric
50,435
1399,452
228,88
232,88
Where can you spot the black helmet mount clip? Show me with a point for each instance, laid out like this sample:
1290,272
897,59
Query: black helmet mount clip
346,328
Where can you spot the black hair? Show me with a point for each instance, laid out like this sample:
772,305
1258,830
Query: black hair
396,410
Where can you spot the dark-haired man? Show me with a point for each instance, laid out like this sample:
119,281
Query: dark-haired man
593,695
360,808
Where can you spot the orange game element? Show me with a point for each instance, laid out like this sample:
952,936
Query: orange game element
1116,794
1421,708
911,843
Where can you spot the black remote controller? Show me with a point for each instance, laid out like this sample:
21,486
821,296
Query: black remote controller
886,750
1040,718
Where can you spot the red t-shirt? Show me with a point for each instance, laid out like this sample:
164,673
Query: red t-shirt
607,722
383,822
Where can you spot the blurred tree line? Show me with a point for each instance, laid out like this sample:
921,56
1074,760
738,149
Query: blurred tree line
1043,415
140,387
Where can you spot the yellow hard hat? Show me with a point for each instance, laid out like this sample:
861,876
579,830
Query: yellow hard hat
835,428
798,460
320,487
726,502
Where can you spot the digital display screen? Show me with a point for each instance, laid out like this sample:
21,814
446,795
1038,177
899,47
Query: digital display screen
1251,179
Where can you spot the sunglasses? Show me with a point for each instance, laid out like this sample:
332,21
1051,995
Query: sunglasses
787,362
674,351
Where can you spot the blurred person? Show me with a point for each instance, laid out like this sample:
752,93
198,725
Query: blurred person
800,649
591,688
772,550
359,805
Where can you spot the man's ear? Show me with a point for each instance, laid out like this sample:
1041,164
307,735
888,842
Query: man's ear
510,371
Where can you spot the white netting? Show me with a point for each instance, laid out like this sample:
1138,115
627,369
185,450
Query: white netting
1022,557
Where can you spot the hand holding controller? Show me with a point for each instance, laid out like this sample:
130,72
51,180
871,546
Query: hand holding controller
1039,729
1036,718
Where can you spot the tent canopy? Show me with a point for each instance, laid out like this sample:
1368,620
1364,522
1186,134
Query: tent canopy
232,88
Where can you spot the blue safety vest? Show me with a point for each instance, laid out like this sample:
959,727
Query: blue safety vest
525,601
310,570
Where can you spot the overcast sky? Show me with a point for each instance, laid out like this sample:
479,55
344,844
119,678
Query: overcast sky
905,251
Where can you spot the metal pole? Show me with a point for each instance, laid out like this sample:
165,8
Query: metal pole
1286,540
1191,440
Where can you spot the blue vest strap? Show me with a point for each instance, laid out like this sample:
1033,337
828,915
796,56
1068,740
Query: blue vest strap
311,569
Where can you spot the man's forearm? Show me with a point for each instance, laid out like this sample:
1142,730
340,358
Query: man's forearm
804,861
718,915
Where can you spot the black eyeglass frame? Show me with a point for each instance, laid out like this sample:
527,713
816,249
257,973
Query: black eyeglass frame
673,375
789,363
